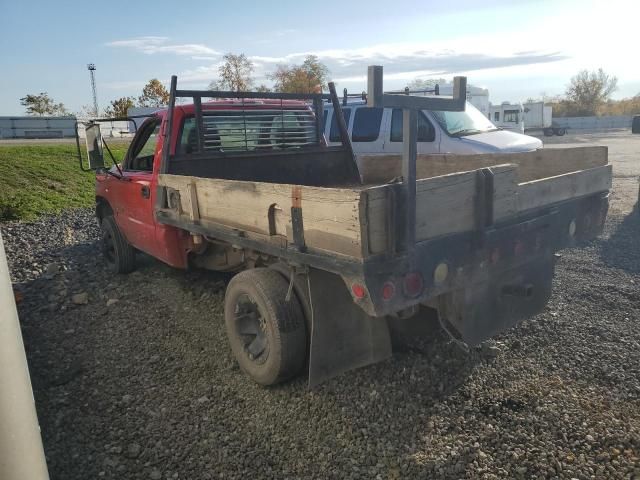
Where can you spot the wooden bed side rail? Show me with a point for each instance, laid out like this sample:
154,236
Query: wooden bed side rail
545,191
546,162
331,216
445,205
448,204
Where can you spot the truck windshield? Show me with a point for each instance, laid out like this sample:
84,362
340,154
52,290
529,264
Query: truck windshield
469,122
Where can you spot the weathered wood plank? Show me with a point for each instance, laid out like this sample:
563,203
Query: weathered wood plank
546,162
192,198
445,205
505,191
331,215
563,187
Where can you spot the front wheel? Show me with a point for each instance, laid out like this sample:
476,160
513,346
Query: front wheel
119,255
267,333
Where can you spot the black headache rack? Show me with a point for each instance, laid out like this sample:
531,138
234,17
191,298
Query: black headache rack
257,136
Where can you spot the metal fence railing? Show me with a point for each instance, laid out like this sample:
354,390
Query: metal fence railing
593,123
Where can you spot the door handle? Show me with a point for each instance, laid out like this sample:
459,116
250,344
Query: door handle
146,192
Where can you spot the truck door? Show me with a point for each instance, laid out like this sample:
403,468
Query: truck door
132,196
428,136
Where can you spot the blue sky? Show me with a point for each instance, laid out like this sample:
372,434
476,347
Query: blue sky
516,49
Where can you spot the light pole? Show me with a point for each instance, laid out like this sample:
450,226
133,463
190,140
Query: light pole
92,73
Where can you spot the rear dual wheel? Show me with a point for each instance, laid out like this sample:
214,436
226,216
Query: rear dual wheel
267,333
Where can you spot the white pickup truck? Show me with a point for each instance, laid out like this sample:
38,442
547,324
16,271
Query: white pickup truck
379,130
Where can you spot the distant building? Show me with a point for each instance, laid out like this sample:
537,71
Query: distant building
37,127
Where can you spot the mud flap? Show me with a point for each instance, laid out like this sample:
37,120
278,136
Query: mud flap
343,336
493,304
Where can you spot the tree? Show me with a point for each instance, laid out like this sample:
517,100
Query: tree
309,77
263,88
235,74
42,104
425,84
153,94
86,111
588,91
119,107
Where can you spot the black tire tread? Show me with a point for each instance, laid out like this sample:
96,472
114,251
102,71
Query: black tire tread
125,254
287,357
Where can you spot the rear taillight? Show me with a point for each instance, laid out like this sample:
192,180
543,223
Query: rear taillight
413,284
358,290
388,291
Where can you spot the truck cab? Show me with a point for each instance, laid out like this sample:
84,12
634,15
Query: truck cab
127,191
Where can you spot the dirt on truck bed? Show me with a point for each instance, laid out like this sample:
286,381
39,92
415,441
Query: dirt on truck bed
133,376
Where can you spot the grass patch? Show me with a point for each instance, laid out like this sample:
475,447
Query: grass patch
40,179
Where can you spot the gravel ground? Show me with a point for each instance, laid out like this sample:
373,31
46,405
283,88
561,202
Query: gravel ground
138,382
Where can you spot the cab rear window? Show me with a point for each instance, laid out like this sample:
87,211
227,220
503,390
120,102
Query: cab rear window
241,131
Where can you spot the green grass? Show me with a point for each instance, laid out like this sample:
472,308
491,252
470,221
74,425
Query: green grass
44,178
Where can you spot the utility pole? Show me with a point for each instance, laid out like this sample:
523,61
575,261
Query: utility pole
92,73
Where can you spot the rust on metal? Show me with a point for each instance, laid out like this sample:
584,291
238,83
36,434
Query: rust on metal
296,196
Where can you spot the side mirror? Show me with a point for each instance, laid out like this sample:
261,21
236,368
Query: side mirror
95,151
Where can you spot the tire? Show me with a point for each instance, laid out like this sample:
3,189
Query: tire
559,131
301,290
118,254
267,334
548,132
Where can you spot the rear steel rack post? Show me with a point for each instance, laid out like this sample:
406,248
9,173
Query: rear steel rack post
410,104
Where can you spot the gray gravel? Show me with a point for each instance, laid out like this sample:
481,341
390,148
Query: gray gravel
137,381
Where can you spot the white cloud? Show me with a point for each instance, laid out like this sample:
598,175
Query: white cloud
153,44
404,61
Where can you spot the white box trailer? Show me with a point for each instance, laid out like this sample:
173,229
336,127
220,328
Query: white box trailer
529,117
538,116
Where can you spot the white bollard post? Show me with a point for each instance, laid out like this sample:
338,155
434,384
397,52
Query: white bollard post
21,451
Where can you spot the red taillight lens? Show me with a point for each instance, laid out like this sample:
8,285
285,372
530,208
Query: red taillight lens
413,284
358,290
388,291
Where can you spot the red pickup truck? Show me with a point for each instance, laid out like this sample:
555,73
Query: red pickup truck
328,257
